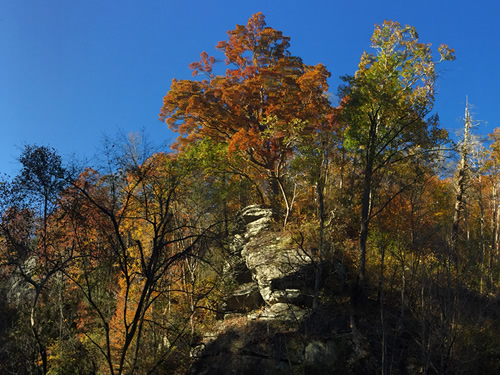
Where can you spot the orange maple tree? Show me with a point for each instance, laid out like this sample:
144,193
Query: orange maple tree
265,100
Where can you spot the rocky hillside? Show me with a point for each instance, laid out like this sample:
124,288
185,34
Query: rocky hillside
268,325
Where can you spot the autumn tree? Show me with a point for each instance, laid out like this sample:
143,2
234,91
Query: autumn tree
133,239
265,99
385,108
492,172
30,247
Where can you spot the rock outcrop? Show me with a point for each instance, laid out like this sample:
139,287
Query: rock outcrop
276,265
268,326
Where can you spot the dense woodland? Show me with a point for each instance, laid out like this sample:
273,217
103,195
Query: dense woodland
118,266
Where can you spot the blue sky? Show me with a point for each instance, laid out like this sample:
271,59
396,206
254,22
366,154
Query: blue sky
72,71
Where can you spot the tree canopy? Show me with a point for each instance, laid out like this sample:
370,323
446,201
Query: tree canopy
265,99
385,107
135,265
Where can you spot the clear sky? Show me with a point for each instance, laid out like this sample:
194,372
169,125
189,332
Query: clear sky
72,71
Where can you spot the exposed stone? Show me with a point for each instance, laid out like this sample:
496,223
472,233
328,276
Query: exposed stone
280,312
263,313
271,346
271,260
246,297
321,352
268,327
256,214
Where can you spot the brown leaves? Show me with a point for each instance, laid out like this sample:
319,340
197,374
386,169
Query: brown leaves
204,65
263,82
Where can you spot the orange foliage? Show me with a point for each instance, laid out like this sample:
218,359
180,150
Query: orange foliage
254,106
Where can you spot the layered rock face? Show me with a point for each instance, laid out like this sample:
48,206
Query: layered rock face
277,267
264,326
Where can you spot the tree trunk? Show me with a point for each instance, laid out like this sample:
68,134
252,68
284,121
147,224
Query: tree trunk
366,201
494,235
319,263
365,220
461,180
41,347
383,358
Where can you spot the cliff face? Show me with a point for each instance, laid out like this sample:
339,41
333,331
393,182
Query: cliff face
268,325
279,269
